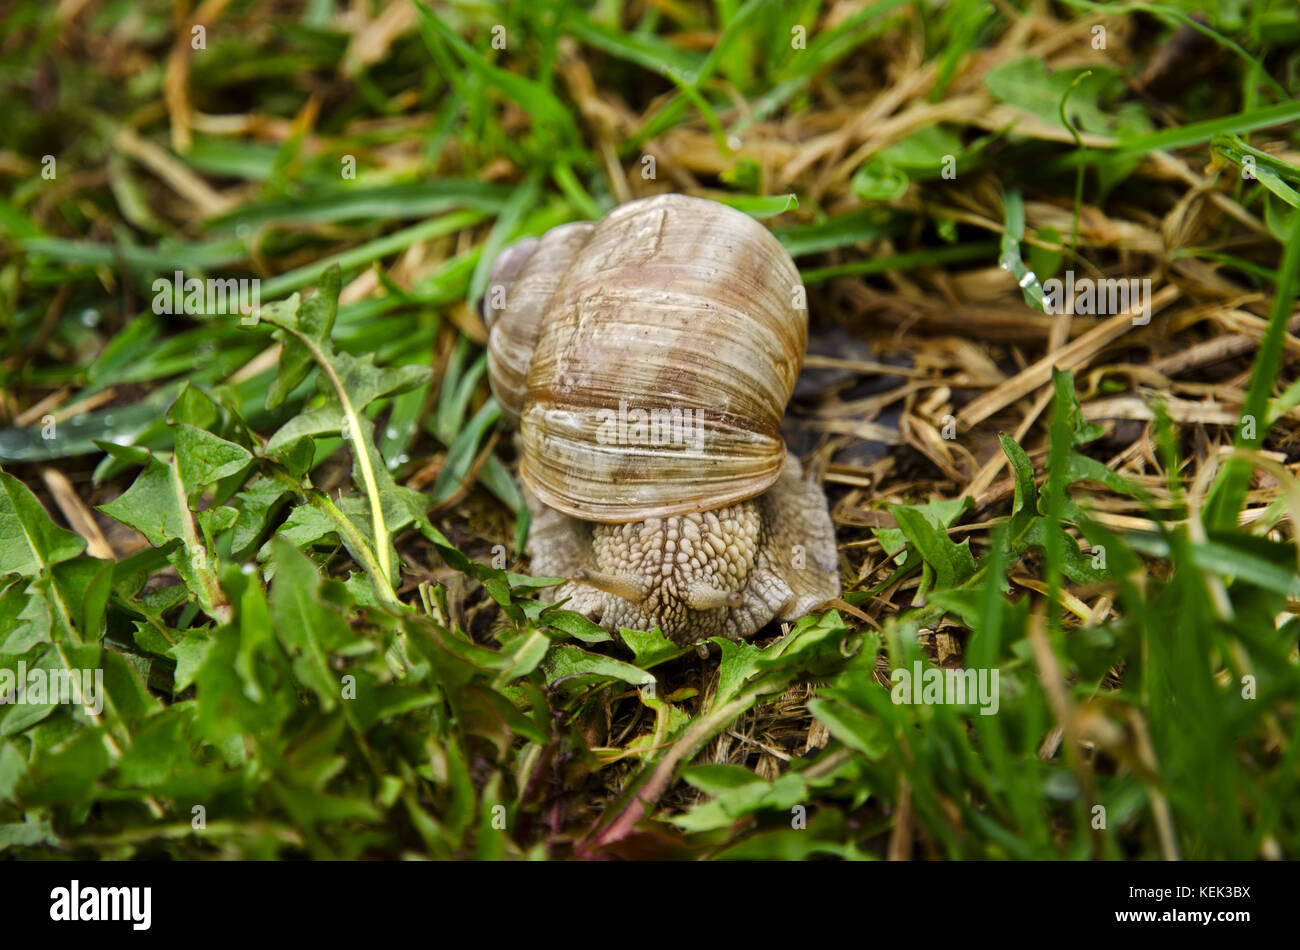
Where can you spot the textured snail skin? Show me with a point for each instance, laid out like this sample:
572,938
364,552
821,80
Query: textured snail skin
777,551
670,304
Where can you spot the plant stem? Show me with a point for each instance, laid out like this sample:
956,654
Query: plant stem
352,538
362,452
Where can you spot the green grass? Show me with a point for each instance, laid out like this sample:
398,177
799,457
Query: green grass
306,656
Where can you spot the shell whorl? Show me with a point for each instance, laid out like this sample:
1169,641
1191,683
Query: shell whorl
647,358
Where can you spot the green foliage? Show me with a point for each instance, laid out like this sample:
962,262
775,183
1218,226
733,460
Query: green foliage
302,714
264,696
979,783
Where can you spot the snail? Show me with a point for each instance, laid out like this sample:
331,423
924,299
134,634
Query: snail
646,360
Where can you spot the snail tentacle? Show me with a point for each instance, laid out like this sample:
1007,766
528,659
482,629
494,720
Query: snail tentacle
629,587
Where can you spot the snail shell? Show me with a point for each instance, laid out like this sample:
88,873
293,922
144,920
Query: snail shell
647,358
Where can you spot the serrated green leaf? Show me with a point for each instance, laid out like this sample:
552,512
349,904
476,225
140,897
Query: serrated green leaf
30,543
28,834
158,748
69,773
314,318
364,382
952,563
84,584
23,708
732,804
737,666
195,407
307,629
1026,492
649,647
204,458
565,660
157,505
190,653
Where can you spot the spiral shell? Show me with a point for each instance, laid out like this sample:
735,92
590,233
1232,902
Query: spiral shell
647,358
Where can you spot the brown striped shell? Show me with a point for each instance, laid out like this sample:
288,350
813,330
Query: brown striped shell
647,358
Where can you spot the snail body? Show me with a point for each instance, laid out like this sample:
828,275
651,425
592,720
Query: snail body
646,360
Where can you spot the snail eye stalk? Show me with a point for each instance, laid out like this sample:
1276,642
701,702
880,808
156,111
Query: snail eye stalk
703,596
629,587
